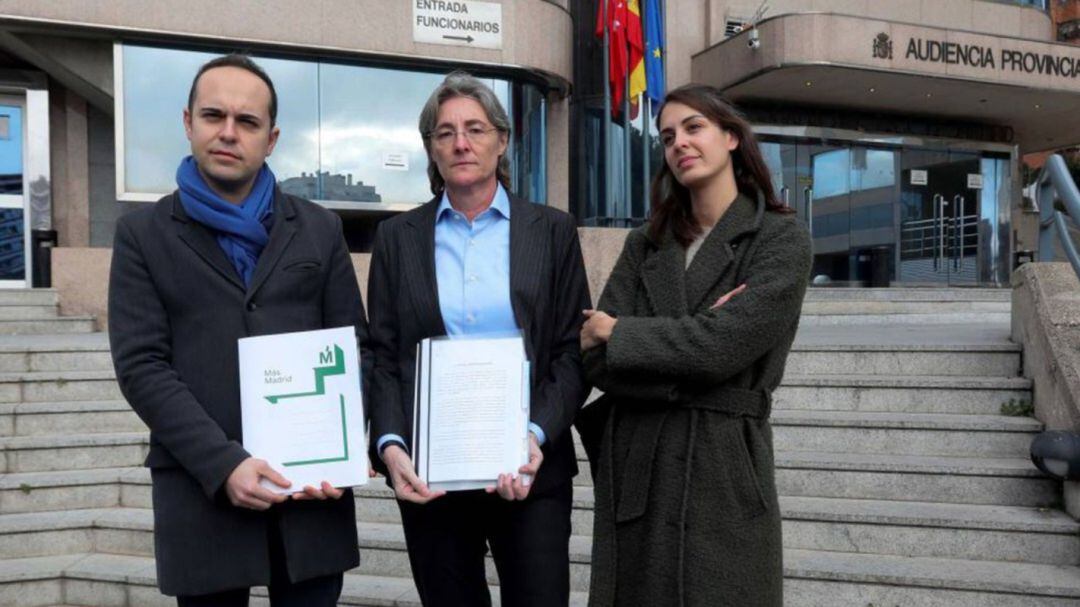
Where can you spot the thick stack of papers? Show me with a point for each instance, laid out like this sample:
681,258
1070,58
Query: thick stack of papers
302,408
471,416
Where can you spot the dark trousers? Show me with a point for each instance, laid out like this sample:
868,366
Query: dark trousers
530,543
316,592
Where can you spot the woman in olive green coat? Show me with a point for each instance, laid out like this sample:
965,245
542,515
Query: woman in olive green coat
687,343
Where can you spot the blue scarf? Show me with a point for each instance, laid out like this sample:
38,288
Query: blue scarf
239,228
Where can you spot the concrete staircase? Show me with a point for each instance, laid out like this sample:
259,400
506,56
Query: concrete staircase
901,482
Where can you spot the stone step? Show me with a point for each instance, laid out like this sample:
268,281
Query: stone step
62,352
13,362
60,324
897,393
925,529
72,417
72,452
982,361
934,318
909,294
954,480
893,526
904,433
812,579
106,530
826,579
74,489
29,297
118,580
884,527
382,550
872,307
949,479
29,312
49,386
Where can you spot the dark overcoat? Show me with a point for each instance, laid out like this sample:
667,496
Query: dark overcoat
548,291
176,310
686,504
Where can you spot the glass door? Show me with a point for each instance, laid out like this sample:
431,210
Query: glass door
13,233
939,217
824,204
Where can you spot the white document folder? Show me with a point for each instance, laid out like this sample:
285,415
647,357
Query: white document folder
471,411
301,407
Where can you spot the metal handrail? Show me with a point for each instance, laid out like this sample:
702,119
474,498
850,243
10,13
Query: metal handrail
1055,183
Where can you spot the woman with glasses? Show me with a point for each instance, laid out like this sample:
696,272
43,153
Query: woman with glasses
688,341
473,260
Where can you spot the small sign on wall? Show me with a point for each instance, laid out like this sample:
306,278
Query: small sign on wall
458,22
918,177
395,161
974,181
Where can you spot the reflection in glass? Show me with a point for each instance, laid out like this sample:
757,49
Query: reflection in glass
12,245
11,150
348,133
297,149
156,84
371,149
626,209
831,173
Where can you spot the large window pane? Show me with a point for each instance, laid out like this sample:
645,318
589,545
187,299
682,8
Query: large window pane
297,151
156,83
348,133
12,245
370,140
11,150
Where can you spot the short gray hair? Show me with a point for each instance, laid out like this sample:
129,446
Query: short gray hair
463,84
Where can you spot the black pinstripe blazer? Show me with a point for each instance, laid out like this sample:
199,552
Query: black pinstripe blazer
548,291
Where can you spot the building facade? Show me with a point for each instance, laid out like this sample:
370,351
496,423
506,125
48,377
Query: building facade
90,118
894,129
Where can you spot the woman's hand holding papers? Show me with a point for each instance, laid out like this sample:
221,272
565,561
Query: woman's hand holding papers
511,487
407,486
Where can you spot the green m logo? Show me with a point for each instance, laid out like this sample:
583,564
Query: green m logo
330,363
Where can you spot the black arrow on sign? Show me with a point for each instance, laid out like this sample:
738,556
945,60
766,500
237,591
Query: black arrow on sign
468,39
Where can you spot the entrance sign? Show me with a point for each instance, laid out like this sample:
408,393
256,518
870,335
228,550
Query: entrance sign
974,181
1062,64
458,22
301,408
918,177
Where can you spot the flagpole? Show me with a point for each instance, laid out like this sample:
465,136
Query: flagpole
627,160
645,154
608,193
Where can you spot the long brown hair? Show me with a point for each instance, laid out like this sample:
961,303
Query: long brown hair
670,199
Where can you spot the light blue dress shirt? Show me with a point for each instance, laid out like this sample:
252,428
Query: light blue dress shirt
472,269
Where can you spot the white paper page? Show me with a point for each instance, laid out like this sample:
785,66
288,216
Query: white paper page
302,408
475,427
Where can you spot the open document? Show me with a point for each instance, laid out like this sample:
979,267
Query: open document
301,406
471,417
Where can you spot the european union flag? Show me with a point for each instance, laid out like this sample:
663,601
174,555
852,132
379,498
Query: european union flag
654,53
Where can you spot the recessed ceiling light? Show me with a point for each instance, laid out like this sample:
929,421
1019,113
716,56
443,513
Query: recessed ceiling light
1037,106
808,83
929,95
872,89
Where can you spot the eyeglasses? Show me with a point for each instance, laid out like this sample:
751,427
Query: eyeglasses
447,136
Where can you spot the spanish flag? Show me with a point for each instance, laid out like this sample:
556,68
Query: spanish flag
616,29
635,42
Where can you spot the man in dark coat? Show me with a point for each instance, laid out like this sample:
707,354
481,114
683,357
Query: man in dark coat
228,256
686,504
